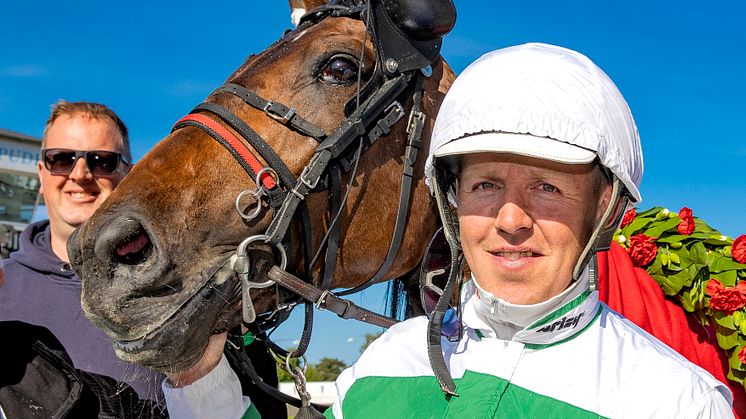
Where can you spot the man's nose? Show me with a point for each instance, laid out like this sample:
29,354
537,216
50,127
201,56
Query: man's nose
80,170
512,217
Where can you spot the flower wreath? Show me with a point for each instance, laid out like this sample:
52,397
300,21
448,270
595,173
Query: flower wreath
701,268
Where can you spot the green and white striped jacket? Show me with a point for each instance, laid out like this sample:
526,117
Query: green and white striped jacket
581,360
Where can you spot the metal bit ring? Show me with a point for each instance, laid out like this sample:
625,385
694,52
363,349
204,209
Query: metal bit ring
243,252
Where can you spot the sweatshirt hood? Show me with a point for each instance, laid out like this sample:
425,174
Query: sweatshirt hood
35,252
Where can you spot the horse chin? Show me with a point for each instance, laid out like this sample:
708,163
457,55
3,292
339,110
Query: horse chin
179,342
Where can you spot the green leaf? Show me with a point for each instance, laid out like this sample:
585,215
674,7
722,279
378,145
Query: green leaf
726,251
726,322
666,286
720,263
734,362
737,318
680,280
698,254
649,212
702,227
655,268
728,278
727,339
674,268
674,238
689,300
736,375
684,255
718,240
637,224
662,227
663,257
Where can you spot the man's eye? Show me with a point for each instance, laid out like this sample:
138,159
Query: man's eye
485,185
548,188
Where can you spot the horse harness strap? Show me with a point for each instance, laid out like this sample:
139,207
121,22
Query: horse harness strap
382,101
274,110
335,144
226,138
326,300
236,354
414,140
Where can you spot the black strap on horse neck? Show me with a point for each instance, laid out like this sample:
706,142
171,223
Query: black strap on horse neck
335,144
326,300
257,143
237,355
414,142
277,111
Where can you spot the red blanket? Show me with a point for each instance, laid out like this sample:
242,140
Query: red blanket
633,293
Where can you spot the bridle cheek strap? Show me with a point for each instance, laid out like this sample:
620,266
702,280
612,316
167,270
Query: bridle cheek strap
227,139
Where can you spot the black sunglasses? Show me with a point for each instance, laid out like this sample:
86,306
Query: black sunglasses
62,160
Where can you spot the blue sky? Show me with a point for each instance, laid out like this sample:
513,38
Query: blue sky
680,65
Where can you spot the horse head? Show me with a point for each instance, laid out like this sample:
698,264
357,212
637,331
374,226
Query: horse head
158,259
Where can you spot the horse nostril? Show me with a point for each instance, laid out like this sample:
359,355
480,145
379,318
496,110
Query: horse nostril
123,241
134,249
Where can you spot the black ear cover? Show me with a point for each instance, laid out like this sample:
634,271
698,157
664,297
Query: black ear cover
421,20
408,33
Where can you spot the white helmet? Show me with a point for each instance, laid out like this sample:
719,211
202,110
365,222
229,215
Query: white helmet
540,101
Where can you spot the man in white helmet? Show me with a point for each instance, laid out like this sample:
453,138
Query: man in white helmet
538,154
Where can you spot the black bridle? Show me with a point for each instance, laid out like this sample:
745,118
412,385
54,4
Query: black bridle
336,152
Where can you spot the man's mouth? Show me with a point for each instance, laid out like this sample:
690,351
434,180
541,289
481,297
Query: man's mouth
514,255
82,196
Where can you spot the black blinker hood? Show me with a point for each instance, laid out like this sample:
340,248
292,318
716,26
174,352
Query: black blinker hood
408,33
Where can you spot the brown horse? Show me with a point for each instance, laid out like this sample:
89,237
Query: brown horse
157,259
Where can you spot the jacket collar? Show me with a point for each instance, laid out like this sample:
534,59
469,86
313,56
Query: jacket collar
546,323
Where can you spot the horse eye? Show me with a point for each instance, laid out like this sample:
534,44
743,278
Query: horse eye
339,70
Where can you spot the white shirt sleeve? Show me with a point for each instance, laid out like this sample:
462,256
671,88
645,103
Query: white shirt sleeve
714,404
216,395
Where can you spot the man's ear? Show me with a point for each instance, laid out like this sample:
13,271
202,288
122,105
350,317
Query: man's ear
39,168
603,202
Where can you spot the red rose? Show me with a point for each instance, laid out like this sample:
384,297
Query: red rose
628,217
725,299
686,227
738,249
685,213
742,355
642,249
713,287
728,300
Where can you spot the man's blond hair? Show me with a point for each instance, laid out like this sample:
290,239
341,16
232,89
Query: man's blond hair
92,110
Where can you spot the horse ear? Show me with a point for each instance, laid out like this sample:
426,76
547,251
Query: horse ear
298,8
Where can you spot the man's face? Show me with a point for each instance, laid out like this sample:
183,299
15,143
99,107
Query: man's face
72,198
524,222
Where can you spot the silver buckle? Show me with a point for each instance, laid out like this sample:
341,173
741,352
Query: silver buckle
283,119
321,300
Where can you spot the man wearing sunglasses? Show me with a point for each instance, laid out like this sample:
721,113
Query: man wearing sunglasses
533,160
85,154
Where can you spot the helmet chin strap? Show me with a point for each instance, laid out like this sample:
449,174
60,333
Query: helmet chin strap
435,325
603,233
